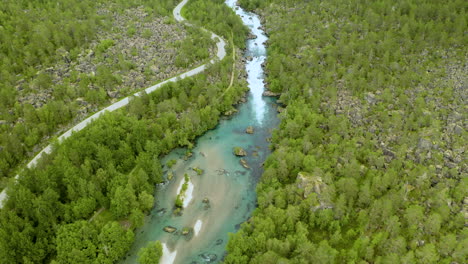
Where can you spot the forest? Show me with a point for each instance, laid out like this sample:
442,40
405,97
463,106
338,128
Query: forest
63,60
82,203
369,161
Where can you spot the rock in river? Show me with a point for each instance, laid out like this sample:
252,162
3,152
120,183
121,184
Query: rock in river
240,152
249,130
208,257
270,94
169,229
244,164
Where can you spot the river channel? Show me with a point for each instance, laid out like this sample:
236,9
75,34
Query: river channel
228,187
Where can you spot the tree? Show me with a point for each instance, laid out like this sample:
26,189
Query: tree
151,253
76,242
114,242
123,201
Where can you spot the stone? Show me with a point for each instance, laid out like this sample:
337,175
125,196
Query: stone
458,130
240,152
309,183
244,164
251,36
249,130
230,112
313,184
456,116
81,101
3,122
424,144
448,155
209,257
219,242
170,175
186,231
188,155
389,153
169,229
270,94
198,170
206,200
370,98
113,94
161,211
451,165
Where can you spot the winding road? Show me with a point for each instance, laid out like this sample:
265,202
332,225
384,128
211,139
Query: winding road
221,53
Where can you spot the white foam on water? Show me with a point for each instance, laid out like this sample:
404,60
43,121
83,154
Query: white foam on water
167,257
188,195
197,227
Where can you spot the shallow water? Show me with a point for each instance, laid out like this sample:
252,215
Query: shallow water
229,187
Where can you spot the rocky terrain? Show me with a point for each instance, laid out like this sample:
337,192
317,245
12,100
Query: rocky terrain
138,51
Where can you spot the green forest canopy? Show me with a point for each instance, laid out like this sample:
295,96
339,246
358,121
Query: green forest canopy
81,203
369,161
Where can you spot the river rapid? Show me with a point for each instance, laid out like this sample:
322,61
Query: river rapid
228,187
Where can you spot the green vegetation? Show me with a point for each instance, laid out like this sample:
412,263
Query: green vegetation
55,68
181,195
368,163
214,15
198,170
171,163
112,164
151,253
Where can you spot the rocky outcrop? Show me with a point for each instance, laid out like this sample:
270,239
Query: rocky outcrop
145,57
240,152
169,229
314,184
270,94
244,163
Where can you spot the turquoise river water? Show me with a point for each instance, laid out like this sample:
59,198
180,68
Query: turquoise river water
229,187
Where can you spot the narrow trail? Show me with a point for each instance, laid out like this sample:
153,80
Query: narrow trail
221,53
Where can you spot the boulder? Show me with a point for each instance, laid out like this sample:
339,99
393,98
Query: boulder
313,184
389,153
208,257
249,130
198,170
81,101
458,130
240,152
370,98
170,175
251,36
206,200
244,164
169,229
113,94
424,144
186,231
230,112
270,94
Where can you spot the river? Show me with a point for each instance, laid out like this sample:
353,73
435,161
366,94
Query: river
228,186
